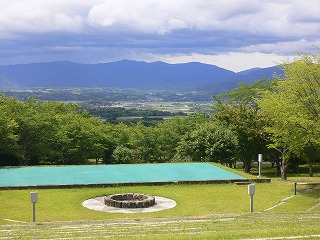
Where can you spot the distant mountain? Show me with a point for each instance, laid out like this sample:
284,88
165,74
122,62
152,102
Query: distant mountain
129,74
269,72
245,72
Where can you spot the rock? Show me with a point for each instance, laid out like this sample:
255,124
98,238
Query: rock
129,200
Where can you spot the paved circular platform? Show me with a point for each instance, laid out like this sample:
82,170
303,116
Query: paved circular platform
98,205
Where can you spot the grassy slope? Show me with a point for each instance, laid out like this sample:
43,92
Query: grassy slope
65,204
221,209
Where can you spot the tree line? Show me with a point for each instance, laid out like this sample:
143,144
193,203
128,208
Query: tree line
148,117
276,117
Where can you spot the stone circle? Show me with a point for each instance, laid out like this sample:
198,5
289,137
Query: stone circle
98,204
130,200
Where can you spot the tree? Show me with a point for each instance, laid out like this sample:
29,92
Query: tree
245,94
243,120
31,130
8,134
49,132
282,131
143,142
209,142
118,137
293,109
237,111
122,155
170,133
138,143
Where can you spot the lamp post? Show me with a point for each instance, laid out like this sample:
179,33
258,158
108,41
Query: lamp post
251,192
34,200
295,188
260,158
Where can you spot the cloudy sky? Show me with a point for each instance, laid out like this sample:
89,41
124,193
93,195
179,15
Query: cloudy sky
233,34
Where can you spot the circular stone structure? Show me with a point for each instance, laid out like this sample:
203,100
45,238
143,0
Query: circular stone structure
98,204
130,200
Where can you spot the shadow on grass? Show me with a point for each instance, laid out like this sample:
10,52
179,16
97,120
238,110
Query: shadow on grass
268,171
311,191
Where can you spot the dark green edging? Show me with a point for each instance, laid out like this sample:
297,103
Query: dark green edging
259,180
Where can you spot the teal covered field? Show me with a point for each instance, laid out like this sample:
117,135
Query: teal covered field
111,174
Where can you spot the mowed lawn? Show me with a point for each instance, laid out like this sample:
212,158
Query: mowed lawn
194,199
66,204
203,211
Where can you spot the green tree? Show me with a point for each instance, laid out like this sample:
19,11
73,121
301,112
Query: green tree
139,143
79,138
209,142
171,132
293,107
143,142
32,130
243,120
49,132
8,133
122,155
238,111
244,94
118,136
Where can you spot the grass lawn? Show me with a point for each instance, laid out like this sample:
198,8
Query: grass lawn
203,211
65,204
300,173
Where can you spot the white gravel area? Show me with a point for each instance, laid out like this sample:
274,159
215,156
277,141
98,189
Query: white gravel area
98,205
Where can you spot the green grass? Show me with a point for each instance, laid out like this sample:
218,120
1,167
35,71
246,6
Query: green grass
203,211
232,226
65,204
270,172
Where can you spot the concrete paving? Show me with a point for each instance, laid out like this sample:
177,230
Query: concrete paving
98,205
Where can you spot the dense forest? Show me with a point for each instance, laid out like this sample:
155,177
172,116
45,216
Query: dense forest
276,117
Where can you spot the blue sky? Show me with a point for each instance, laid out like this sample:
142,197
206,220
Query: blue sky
233,34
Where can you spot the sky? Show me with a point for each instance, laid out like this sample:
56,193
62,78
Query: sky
232,34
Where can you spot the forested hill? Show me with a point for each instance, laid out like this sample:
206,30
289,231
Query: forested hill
129,74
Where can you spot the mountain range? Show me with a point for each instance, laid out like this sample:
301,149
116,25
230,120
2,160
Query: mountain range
191,76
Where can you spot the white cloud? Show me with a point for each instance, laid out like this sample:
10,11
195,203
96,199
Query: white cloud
41,16
282,48
304,12
234,61
207,30
264,17
146,17
162,17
